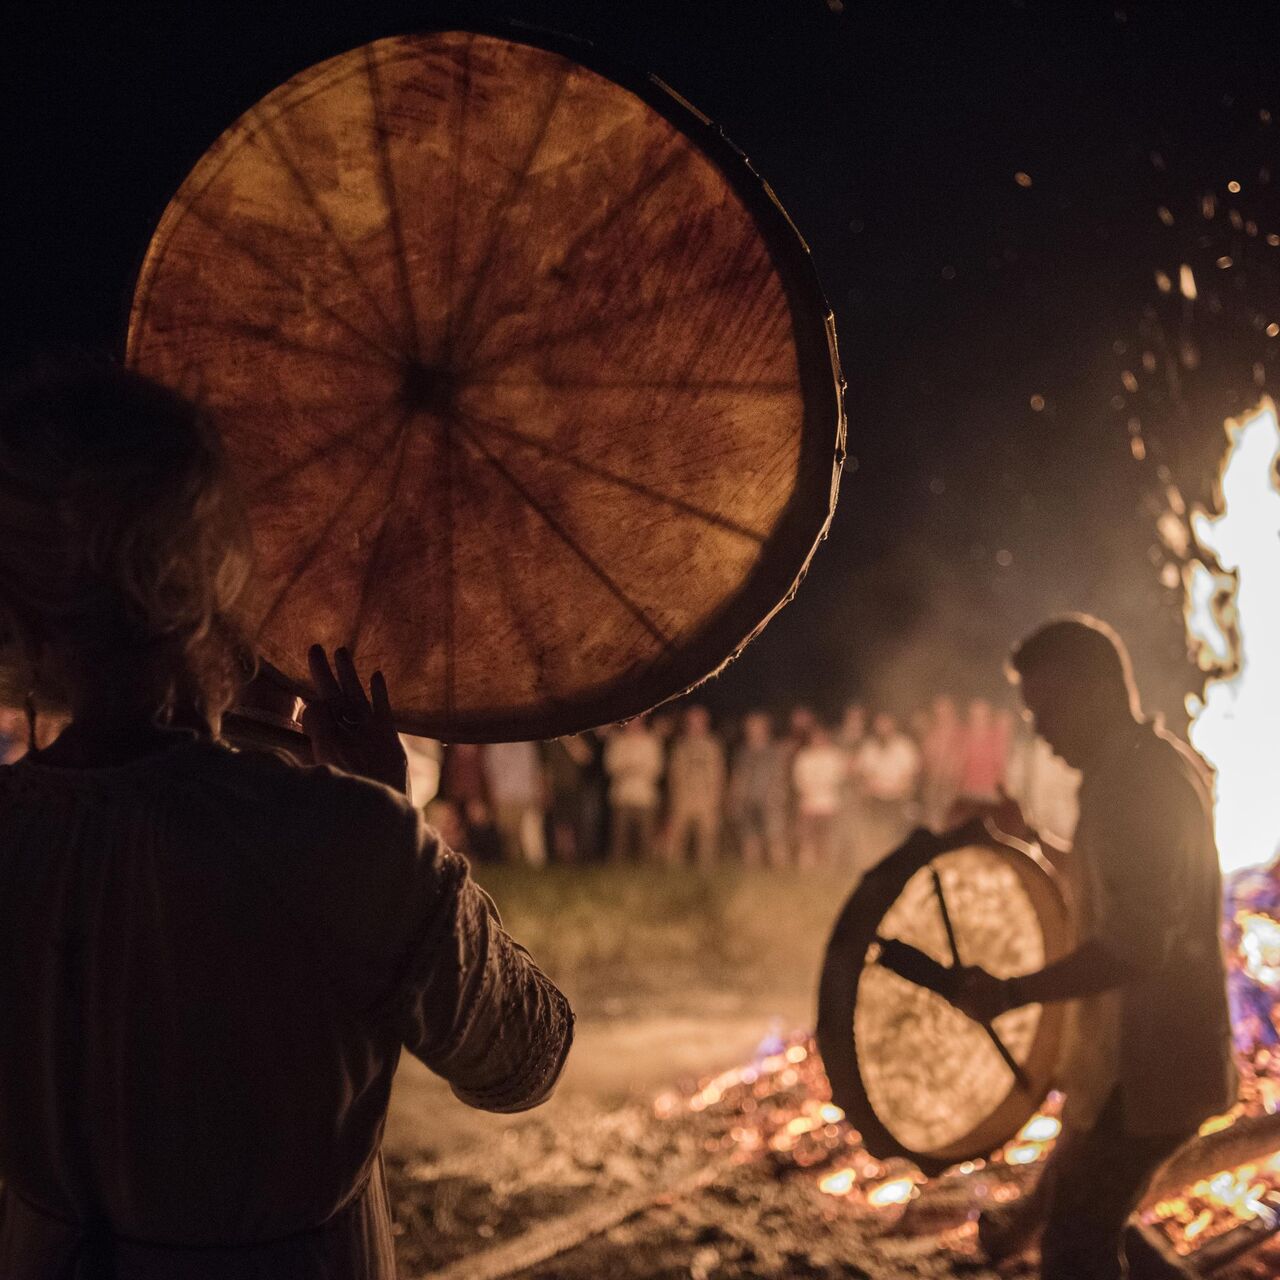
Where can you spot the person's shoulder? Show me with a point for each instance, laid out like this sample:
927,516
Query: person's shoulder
1152,777
353,843
1183,773
313,794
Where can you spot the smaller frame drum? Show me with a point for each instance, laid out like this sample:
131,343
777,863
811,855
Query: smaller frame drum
915,1076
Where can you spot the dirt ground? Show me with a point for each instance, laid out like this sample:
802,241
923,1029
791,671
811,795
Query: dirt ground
610,1180
469,1188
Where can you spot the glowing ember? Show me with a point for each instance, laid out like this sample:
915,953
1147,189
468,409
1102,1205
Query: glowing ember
839,1183
1214,1205
895,1191
1041,1128
778,1109
1023,1153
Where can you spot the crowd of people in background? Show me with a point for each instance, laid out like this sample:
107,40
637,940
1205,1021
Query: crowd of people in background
677,789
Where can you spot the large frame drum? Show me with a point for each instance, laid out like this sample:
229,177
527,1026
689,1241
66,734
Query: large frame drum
525,372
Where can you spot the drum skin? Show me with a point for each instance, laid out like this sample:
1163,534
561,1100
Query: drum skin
525,374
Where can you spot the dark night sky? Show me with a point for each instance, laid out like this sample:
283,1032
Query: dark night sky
892,132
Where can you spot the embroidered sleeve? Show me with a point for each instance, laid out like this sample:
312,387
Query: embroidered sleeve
476,1009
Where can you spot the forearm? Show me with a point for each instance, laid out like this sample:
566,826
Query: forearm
485,1017
517,1041
1088,970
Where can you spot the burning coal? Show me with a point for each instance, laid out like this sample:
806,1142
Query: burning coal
777,1108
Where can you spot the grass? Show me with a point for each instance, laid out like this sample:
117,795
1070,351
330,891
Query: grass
614,936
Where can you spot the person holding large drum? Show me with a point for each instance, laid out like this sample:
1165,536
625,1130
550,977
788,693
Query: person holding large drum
532,395
209,959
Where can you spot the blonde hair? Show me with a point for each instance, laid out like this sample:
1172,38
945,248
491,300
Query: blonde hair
121,535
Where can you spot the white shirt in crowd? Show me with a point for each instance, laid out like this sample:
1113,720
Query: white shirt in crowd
423,756
1046,788
633,762
818,773
513,771
889,767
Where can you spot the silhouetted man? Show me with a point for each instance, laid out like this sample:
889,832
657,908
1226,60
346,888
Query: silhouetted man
1148,1052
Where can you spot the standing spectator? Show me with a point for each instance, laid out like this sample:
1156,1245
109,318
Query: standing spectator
918,724
593,799
853,728
799,726
818,773
462,780
513,771
695,785
567,762
447,819
758,794
853,732
942,748
633,763
663,725
463,788
1006,730
986,752
888,768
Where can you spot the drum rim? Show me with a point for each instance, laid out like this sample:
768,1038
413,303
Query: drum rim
844,962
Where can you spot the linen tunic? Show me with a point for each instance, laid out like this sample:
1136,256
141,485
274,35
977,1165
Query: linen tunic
209,962
818,774
1150,891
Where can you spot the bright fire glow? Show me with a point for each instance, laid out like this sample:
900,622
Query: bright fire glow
1239,1195
1260,947
1233,619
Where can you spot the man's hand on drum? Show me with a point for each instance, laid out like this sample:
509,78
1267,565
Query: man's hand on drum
349,728
1004,814
979,994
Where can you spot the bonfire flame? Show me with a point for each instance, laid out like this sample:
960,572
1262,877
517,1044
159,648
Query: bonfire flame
1233,621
